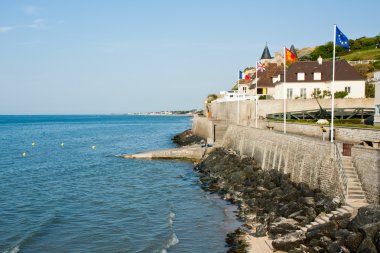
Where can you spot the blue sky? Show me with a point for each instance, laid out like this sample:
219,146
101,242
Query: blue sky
120,56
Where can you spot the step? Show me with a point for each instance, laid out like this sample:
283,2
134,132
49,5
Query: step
347,208
314,223
356,197
325,218
342,211
308,226
335,213
355,192
320,221
304,229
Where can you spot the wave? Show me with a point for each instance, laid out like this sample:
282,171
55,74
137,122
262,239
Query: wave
173,240
171,218
35,231
15,249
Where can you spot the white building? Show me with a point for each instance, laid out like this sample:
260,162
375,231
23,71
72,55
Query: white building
305,78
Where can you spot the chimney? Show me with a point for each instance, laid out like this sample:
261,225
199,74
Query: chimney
319,60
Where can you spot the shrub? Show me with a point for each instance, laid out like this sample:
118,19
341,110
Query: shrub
340,94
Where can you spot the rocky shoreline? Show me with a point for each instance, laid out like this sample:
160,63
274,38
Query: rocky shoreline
271,205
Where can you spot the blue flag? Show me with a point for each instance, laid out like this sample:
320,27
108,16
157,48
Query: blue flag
240,74
341,39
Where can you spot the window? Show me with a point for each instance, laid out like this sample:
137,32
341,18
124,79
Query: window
303,93
290,93
347,89
300,76
317,75
244,89
259,90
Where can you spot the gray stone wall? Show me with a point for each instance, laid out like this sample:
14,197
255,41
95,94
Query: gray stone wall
307,160
202,127
367,163
343,134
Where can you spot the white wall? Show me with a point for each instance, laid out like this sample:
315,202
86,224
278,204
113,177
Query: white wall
357,88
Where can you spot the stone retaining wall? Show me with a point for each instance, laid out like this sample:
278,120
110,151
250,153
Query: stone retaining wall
307,161
367,163
202,127
343,134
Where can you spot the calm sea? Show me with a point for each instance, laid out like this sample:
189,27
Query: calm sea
64,190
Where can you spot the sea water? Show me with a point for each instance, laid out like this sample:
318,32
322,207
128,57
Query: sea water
63,189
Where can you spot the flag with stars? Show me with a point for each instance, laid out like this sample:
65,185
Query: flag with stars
341,39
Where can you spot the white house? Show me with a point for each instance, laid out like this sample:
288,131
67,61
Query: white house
305,78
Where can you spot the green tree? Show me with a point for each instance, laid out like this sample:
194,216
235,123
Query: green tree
369,90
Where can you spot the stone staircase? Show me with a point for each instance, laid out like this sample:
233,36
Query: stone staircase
220,128
355,197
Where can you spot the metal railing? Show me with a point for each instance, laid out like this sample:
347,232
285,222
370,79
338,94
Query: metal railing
342,175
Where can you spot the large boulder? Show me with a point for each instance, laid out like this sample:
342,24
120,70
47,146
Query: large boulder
282,226
370,231
366,215
289,241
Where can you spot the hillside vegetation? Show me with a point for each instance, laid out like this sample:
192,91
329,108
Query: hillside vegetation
360,49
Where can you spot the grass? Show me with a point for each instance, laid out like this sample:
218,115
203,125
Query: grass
337,122
371,54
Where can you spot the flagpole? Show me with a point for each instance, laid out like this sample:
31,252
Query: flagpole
333,90
283,91
238,102
256,97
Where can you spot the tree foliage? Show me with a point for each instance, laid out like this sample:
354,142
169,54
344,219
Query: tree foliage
369,90
363,43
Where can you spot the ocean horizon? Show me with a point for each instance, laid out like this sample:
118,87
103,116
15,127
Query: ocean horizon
64,189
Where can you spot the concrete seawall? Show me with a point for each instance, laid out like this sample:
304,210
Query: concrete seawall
307,159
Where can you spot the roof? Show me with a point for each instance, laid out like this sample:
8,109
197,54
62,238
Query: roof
243,81
343,71
293,50
266,53
265,78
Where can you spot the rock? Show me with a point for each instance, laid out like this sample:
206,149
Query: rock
326,204
366,215
370,231
377,241
340,235
353,240
289,241
295,214
261,231
318,249
334,247
186,138
321,230
282,226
